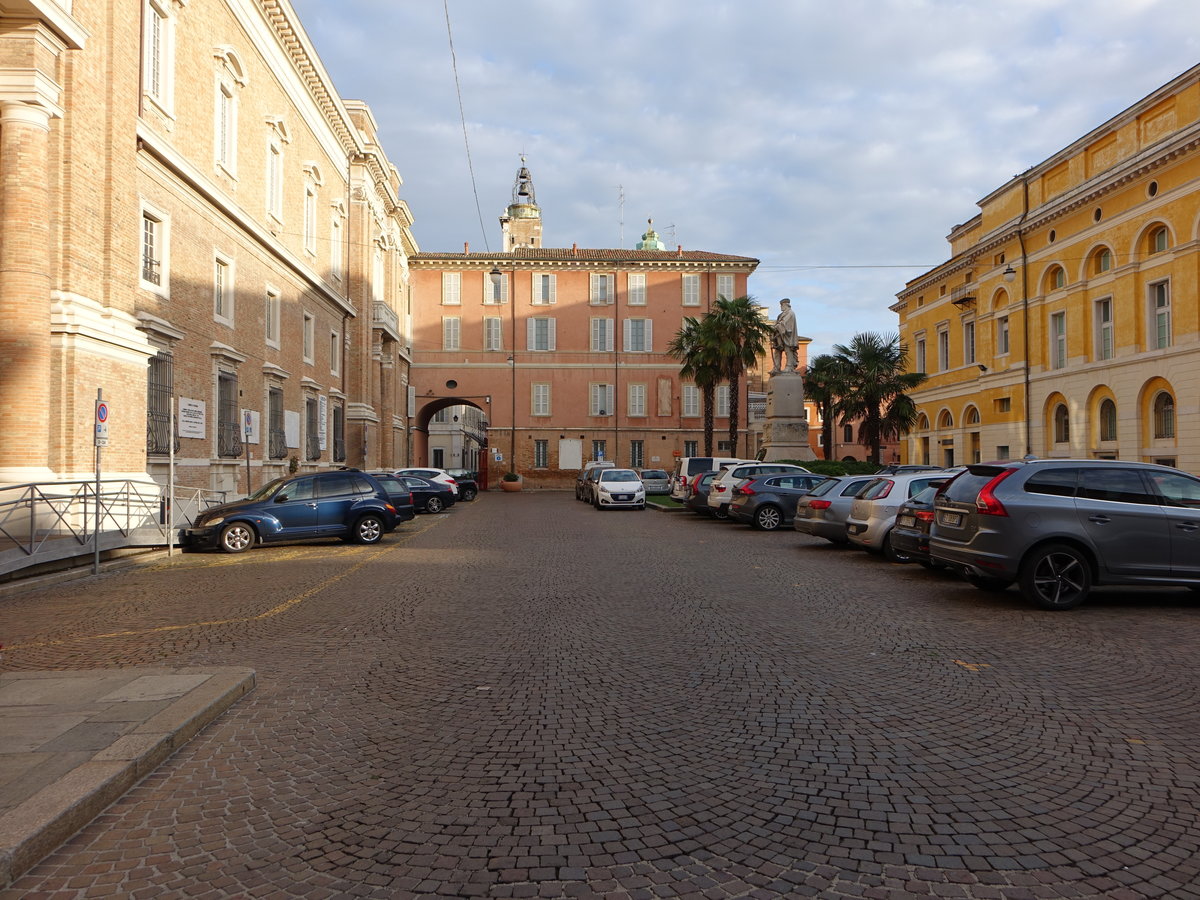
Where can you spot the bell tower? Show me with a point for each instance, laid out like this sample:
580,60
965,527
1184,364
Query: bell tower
521,224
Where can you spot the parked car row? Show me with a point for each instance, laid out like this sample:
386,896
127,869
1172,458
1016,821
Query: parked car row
358,507
607,487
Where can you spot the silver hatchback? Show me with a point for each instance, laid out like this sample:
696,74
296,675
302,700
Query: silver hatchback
1057,527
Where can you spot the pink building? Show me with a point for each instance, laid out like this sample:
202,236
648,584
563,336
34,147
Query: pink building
564,350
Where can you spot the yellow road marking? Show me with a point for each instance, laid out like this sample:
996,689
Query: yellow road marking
270,613
974,667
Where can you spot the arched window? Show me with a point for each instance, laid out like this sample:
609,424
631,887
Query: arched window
1164,415
1160,239
1108,420
972,417
945,420
848,434
1058,278
1062,424
1102,261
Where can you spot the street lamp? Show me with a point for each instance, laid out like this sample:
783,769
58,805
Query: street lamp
512,439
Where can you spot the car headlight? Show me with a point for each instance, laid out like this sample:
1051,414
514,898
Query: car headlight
207,522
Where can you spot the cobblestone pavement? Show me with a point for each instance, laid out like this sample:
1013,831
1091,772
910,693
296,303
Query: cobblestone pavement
529,698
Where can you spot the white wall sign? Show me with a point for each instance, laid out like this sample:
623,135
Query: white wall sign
192,418
291,428
322,418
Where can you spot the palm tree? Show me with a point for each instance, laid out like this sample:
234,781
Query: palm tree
875,388
824,384
739,333
692,345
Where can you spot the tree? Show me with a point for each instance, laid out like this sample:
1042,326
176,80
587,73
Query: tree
874,388
693,346
824,385
739,333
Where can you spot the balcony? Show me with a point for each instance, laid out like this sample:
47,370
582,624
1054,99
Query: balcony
964,295
385,319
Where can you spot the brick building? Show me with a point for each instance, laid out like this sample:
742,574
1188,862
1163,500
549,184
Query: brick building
195,223
1066,321
564,350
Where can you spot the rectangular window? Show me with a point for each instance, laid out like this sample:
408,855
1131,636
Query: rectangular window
725,286
229,440
539,333
1003,404
309,338
541,454
638,335
637,400
158,64
160,400
540,405
451,288
968,343
271,313
920,355
495,292
335,353
721,401
451,333
943,339
223,290
154,252
600,402
276,435
690,403
1160,309
310,219
602,335
637,454
601,290
226,136
1002,451
335,249
312,429
439,457
275,179
1104,328
691,290
1058,340
545,289
690,448
599,449
493,333
1002,340
636,289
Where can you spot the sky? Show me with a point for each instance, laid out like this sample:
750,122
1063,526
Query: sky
836,141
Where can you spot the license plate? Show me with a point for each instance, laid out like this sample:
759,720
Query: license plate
906,521
953,519
622,496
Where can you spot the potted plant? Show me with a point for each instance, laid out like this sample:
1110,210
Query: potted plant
510,481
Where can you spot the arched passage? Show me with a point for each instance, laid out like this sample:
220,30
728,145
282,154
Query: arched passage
451,433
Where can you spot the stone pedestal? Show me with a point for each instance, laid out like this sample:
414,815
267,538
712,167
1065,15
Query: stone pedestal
785,435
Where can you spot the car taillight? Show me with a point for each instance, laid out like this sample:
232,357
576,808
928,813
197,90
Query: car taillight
744,491
925,515
452,481
820,504
887,489
986,503
391,508
719,488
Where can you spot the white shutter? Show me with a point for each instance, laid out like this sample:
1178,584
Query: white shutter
725,286
635,287
594,400
553,279
493,334
530,334
691,400
722,400
609,400
648,344
627,334
551,330
450,333
541,399
637,400
451,283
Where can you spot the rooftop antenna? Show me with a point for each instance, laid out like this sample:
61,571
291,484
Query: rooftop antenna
621,215
670,229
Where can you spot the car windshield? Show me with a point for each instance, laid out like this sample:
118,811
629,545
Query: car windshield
618,475
267,490
654,473
824,487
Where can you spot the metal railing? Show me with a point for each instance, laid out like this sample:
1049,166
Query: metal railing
52,521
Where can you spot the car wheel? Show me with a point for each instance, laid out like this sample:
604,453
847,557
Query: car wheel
991,585
434,505
237,537
1055,577
368,530
721,512
891,554
768,518
468,494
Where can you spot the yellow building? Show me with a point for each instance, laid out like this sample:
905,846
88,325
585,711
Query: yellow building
1066,322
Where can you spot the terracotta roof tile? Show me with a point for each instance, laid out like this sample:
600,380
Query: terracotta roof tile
583,254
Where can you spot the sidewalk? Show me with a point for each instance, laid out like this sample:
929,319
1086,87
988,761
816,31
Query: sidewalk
72,742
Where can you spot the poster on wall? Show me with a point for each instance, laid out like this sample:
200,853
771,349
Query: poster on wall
322,419
192,421
291,428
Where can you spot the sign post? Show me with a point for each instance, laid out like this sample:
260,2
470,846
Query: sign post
101,440
248,427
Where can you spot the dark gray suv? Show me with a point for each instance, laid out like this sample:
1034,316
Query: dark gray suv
1058,527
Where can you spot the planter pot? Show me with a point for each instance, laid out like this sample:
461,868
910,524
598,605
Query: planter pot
510,485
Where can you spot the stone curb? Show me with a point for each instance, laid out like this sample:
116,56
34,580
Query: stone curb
45,820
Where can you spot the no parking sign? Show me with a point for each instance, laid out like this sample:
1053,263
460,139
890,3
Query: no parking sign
101,423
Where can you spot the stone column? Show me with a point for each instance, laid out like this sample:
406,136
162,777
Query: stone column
785,435
25,283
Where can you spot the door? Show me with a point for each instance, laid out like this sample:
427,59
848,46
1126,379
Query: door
295,506
1181,500
1122,518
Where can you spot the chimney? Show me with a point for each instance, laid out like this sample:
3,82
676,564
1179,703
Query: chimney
679,250
466,247
575,249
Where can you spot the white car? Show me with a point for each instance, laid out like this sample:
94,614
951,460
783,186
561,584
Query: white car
873,512
720,492
618,488
433,475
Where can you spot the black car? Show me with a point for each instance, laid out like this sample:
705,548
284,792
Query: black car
399,493
914,520
697,498
347,504
429,496
468,483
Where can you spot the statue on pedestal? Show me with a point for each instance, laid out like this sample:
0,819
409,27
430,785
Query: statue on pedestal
784,339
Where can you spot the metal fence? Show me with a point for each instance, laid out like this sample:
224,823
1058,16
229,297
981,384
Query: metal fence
45,522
